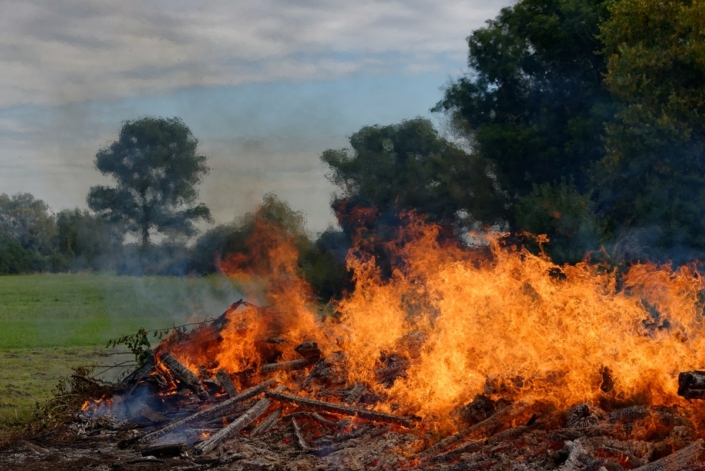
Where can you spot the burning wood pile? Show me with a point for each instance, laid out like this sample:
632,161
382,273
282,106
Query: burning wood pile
305,413
496,360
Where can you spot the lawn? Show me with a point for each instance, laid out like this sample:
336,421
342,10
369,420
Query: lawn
52,323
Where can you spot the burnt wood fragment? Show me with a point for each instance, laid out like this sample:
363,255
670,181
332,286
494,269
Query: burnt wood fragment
227,383
389,368
356,394
691,384
309,350
478,410
678,460
240,423
342,410
152,415
183,374
219,410
330,371
286,366
297,433
487,427
267,424
629,414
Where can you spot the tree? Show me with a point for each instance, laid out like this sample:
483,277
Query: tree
156,167
653,173
27,220
86,240
534,102
408,166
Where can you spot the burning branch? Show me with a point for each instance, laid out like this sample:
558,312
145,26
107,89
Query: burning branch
240,423
343,410
214,412
184,375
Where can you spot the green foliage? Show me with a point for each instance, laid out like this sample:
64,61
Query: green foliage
534,101
86,240
27,220
562,211
408,166
15,259
654,170
156,168
139,344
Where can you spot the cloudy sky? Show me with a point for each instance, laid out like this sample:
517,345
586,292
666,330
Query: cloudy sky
265,85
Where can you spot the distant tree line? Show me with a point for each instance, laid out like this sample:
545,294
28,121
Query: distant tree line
579,119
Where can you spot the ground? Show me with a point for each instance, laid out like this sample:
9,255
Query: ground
53,323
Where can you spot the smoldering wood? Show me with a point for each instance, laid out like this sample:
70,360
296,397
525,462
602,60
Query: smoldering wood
629,413
691,384
309,350
678,460
286,366
343,410
469,447
217,411
297,433
183,374
224,379
323,421
240,423
487,427
576,449
152,415
356,394
267,424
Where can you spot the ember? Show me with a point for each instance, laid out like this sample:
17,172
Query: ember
464,359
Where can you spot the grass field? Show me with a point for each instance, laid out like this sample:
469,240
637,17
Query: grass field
52,323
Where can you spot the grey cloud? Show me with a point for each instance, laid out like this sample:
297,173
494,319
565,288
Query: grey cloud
59,51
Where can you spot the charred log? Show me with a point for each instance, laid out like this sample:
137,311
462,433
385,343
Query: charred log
297,433
267,424
691,384
309,351
286,366
342,410
678,460
222,409
487,427
227,383
240,423
183,374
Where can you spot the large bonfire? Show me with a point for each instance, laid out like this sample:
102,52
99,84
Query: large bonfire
461,349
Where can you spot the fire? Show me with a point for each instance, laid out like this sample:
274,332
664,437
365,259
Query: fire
493,319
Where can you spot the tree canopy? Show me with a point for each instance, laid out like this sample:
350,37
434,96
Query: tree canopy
653,173
156,167
409,166
533,101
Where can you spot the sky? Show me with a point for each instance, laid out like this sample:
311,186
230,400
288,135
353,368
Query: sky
265,86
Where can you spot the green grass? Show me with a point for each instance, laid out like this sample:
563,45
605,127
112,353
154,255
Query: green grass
38,311
52,323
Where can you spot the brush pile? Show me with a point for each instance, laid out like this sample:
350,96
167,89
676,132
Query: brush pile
306,413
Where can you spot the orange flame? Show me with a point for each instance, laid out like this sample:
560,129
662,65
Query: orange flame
490,319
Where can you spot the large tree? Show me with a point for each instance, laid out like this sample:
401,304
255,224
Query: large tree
534,100
409,166
654,172
156,168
